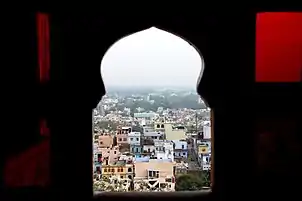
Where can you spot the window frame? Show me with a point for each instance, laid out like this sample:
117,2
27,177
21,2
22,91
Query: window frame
171,195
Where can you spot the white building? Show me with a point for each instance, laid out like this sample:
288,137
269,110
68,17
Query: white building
148,148
154,135
180,148
206,162
207,132
164,150
134,138
148,129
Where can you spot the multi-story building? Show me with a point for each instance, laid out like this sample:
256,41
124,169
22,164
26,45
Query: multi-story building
134,138
121,169
174,133
105,140
154,135
148,148
204,154
181,168
135,141
180,148
147,129
159,125
156,174
203,146
122,135
164,149
97,161
108,155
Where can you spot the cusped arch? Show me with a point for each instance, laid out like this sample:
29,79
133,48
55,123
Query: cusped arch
202,67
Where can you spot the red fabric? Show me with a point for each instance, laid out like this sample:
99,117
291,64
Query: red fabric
30,168
43,46
279,47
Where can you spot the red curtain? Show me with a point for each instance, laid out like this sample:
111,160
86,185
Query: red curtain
31,168
43,46
279,47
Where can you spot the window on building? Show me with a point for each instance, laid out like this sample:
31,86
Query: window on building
131,139
162,126
112,170
137,139
114,152
105,169
125,139
129,169
183,153
168,180
158,126
101,142
153,174
137,150
96,137
182,146
120,139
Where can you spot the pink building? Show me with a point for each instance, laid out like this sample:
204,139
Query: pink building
105,140
109,155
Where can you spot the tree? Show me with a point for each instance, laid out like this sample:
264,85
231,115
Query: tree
188,182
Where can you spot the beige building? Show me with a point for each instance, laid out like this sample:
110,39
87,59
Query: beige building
174,134
159,125
121,170
104,140
156,174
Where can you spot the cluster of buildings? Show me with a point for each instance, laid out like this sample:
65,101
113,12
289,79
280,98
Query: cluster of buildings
151,157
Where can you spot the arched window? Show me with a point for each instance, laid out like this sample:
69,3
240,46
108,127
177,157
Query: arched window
158,59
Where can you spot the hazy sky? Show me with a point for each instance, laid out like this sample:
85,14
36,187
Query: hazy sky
151,58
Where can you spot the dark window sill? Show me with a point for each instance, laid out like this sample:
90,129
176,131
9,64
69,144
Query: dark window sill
151,195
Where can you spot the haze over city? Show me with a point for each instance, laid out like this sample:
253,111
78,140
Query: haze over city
151,58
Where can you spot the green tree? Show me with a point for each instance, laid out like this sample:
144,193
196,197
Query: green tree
188,182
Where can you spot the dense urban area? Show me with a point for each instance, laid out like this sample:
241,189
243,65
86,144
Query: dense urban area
151,140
